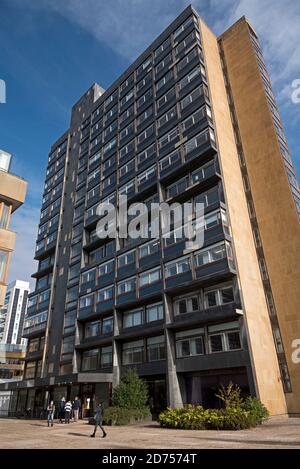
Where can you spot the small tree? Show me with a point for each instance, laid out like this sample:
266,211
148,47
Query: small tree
131,393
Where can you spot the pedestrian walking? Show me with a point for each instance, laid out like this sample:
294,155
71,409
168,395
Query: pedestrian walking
76,408
61,409
99,414
50,413
68,409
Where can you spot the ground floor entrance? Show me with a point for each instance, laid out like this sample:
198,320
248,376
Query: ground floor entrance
200,388
33,402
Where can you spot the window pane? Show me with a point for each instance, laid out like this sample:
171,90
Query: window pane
233,339
216,343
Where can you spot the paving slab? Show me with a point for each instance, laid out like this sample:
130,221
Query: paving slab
277,432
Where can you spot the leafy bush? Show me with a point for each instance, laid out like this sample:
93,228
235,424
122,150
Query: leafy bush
132,392
123,416
188,418
257,409
237,414
230,396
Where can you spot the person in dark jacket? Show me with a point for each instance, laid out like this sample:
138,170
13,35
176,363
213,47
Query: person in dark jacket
61,409
76,408
99,414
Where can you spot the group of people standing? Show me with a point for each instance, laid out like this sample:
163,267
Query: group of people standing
66,410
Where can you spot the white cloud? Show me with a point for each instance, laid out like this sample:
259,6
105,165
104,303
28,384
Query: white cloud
25,222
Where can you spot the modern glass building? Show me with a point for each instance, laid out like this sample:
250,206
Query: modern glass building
193,119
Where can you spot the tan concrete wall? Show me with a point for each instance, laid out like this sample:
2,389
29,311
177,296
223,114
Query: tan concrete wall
260,338
7,239
12,188
275,209
2,294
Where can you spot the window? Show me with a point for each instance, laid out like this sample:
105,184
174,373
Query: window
156,349
162,47
132,352
166,98
164,119
224,337
132,318
126,150
88,276
167,60
144,155
164,80
187,305
127,258
106,268
34,345
109,181
3,265
179,266
30,370
263,269
204,172
129,187
170,160
44,296
195,118
107,325
93,192
126,114
126,286
67,345
183,27
146,175
148,249
126,83
93,175
90,360
154,312
145,134
219,296
151,276
190,98
113,126
4,215
178,187
32,301
168,138
105,294
86,301
199,140
211,254
187,59
127,168
127,97
106,357
143,99
183,45
144,66
70,320
129,129
140,85
145,115
110,145
35,320
189,343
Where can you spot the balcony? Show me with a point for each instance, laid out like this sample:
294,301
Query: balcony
13,189
34,330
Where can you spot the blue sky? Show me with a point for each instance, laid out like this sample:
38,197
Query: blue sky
51,51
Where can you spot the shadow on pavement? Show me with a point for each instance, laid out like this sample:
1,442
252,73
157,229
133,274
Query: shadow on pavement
78,434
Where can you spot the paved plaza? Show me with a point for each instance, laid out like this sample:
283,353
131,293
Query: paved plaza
278,432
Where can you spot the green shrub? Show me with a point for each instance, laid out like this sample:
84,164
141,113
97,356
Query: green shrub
123,416
256,409
132,392
237,414
188,418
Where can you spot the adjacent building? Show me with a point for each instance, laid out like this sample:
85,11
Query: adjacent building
192,119
12,345
12,195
